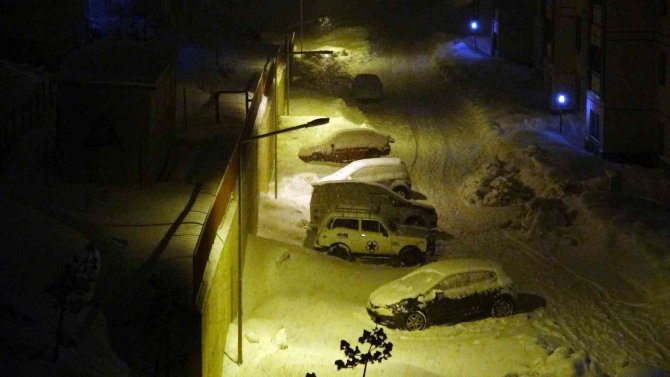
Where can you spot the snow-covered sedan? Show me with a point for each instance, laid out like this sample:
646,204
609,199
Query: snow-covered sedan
445,291
349,145
388,171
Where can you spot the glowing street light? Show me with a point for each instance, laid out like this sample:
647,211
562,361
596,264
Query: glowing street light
474,28
561,100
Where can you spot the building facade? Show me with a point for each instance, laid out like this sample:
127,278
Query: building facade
503,27
609,58
626,80
116,113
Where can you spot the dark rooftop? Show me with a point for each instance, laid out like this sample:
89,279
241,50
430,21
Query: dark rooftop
115,62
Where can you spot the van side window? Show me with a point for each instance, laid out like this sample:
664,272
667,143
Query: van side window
383,230
345,223
370,226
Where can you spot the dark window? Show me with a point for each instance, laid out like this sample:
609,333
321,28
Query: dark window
594,125
383,230
454,281
346,223
481,276
596,58
578,34
661,68
370,226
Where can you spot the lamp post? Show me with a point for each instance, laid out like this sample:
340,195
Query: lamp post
312,123
561,100
288,69
288,81
474,27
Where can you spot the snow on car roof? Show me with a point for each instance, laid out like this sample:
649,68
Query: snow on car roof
375,185
352,167
458,265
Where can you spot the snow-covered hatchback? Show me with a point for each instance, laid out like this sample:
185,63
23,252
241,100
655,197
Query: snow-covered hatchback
387,171
349,145
446,291
346,233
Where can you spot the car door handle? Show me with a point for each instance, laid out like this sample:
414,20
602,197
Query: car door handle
345,235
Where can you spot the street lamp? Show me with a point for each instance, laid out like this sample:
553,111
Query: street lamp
312,123
286,98
561,100
474,28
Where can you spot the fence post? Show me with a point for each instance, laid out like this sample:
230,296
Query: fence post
185,121
216,107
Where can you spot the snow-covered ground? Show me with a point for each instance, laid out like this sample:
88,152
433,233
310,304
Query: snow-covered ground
585,240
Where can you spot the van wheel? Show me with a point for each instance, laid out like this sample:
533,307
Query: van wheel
340,251
402,191
373,153
411,256
415,220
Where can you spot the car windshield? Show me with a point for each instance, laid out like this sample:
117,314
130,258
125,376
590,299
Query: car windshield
421,281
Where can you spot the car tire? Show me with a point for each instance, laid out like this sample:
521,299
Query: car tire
373,153
415,321
415,220
340,251
411,256
502,307
402,191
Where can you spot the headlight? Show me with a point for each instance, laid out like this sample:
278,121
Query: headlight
398,306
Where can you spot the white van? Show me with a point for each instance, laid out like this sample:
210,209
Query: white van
387,171
333,195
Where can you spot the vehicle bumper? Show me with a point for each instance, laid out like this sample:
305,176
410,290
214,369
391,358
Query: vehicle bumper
387,320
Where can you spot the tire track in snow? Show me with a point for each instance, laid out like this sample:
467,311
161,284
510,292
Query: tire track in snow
603,303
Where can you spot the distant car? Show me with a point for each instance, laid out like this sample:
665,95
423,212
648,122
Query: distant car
332,195
387,171
367,87
349,145
345,233
445,291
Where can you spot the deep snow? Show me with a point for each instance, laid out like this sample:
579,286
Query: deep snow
583,239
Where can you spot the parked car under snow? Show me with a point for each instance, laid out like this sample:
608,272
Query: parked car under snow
349,145
332,195
446,291
387,171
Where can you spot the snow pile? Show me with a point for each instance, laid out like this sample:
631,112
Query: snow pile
332,73
496,183
538,171
563,361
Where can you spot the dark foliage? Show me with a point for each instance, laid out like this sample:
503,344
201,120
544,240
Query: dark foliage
379,349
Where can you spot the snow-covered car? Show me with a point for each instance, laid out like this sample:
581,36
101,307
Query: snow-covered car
445,291
349,145
387,171
333,195
347,233
367,87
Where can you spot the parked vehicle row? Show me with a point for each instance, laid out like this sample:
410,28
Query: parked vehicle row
363,209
